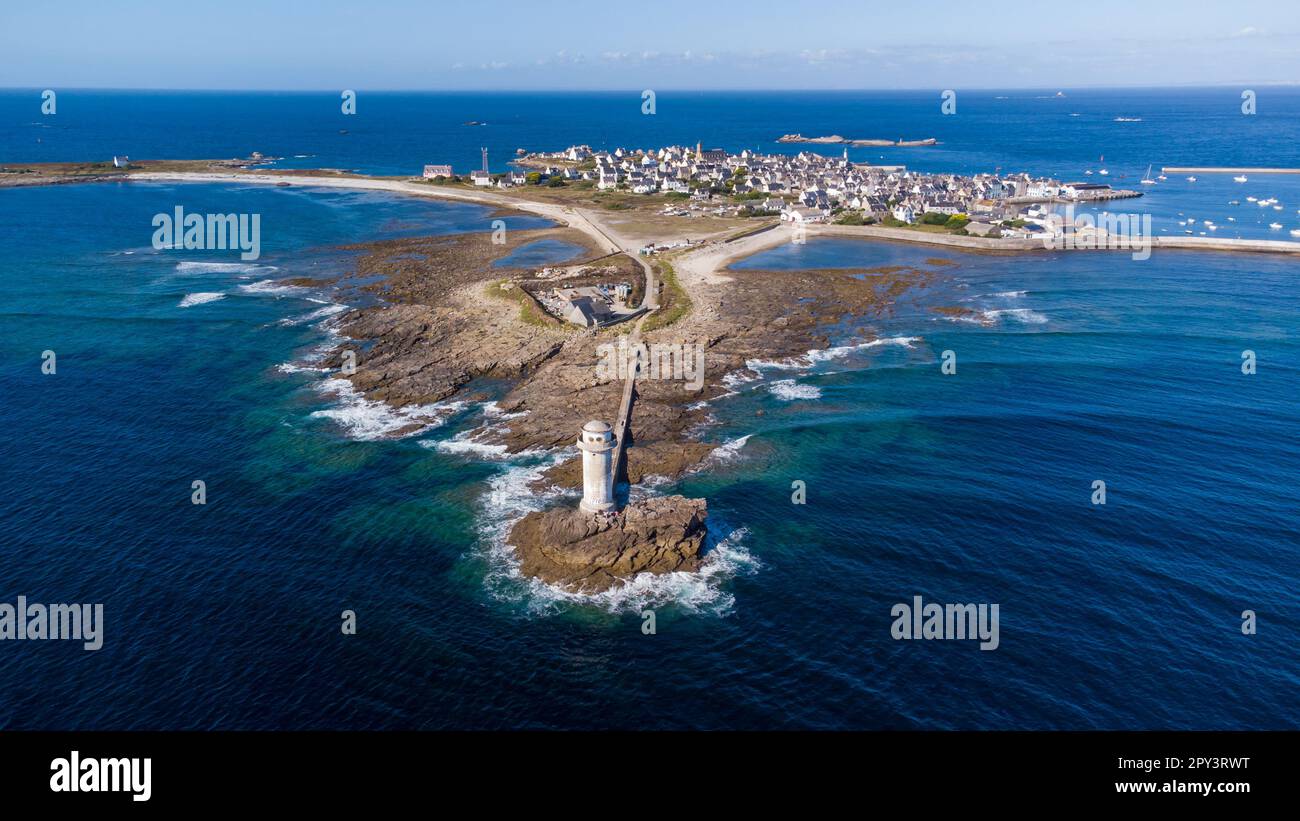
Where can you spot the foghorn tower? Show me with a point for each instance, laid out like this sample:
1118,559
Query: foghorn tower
597,445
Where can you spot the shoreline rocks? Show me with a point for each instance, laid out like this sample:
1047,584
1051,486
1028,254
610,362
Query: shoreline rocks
592,552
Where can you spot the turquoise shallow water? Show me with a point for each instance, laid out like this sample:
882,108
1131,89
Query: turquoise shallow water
971,487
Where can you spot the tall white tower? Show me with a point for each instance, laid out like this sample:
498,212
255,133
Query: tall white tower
597,445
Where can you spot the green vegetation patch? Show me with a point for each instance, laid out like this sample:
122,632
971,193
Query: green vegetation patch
673,301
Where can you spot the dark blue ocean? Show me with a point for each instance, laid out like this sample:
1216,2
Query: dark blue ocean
177,366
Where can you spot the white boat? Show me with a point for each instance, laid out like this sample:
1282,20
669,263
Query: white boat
1277,208
1276,226
1250,199
1239,178
1146,180
1162,177
1191,179
1088,173
1295,232
1104,172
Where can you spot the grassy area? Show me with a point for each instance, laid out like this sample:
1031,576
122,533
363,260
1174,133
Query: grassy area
673,301
748,232
529,312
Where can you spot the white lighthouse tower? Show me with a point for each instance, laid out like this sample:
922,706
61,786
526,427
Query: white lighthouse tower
597,445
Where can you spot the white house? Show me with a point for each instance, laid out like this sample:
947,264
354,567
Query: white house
904,213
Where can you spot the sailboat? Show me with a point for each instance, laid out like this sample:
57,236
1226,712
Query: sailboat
1146,180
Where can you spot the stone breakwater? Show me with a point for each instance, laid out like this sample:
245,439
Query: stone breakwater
589,553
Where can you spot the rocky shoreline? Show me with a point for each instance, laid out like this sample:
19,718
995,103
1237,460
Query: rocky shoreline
592,552
437,328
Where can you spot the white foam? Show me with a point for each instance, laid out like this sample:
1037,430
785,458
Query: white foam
845,350
735,379
1010,294
493,411
792,364
271,287
367,419
729,450
814,356
466,443
1019,314
700,592
290,367
320,313
223,268
199,298
511,496
789,390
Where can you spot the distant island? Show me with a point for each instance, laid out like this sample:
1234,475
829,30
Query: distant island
836,139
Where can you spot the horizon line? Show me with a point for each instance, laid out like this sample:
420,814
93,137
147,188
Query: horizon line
630,89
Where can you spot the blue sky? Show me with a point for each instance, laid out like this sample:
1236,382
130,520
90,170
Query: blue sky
504,44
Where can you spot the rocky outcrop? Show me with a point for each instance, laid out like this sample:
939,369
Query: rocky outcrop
588,553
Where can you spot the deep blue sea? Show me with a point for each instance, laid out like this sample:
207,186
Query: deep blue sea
176,366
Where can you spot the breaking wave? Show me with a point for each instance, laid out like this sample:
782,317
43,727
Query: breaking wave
320,313
730,449
815,356
368,419
1024,315
510,497
272,288
789,390
199,299
223,268
467,443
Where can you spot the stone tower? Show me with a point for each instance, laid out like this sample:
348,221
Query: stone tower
597,445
